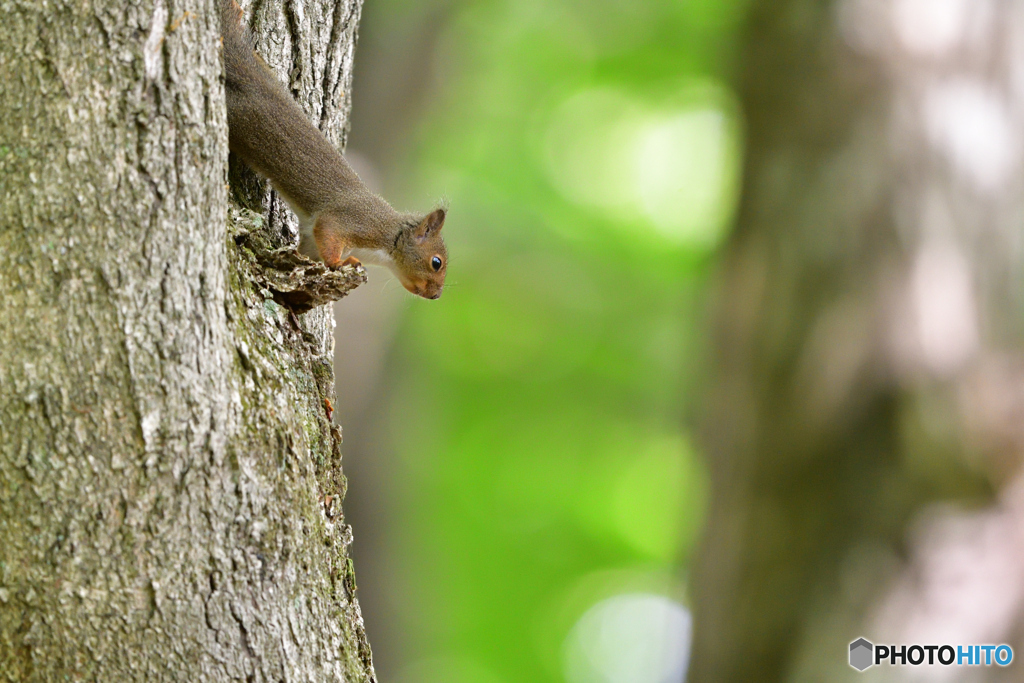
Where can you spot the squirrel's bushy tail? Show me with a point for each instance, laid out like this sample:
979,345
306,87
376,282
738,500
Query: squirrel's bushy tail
231,21
241,64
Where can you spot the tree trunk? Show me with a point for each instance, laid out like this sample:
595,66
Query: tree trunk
170,481
869,362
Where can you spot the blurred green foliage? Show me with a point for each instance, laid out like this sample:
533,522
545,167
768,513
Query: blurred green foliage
590,152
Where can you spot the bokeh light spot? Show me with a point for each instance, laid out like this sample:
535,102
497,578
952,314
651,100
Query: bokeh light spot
682,174
670,170
630,638
659,490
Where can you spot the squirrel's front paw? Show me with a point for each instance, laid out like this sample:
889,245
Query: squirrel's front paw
350,261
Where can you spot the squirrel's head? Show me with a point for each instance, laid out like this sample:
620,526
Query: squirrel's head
420,257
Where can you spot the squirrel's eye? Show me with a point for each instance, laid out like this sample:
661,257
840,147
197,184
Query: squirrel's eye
435,263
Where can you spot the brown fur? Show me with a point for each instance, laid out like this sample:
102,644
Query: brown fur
337,213
327,235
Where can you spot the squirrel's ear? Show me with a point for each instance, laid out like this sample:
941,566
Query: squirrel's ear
431,224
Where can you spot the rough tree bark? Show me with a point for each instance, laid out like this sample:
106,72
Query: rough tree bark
170,480
870,356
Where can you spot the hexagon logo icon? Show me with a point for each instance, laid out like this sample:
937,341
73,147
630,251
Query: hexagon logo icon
861,651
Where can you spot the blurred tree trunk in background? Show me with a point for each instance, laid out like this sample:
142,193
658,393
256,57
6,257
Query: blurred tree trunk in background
869,359
170,482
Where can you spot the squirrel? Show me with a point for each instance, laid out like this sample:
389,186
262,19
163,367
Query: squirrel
341,222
